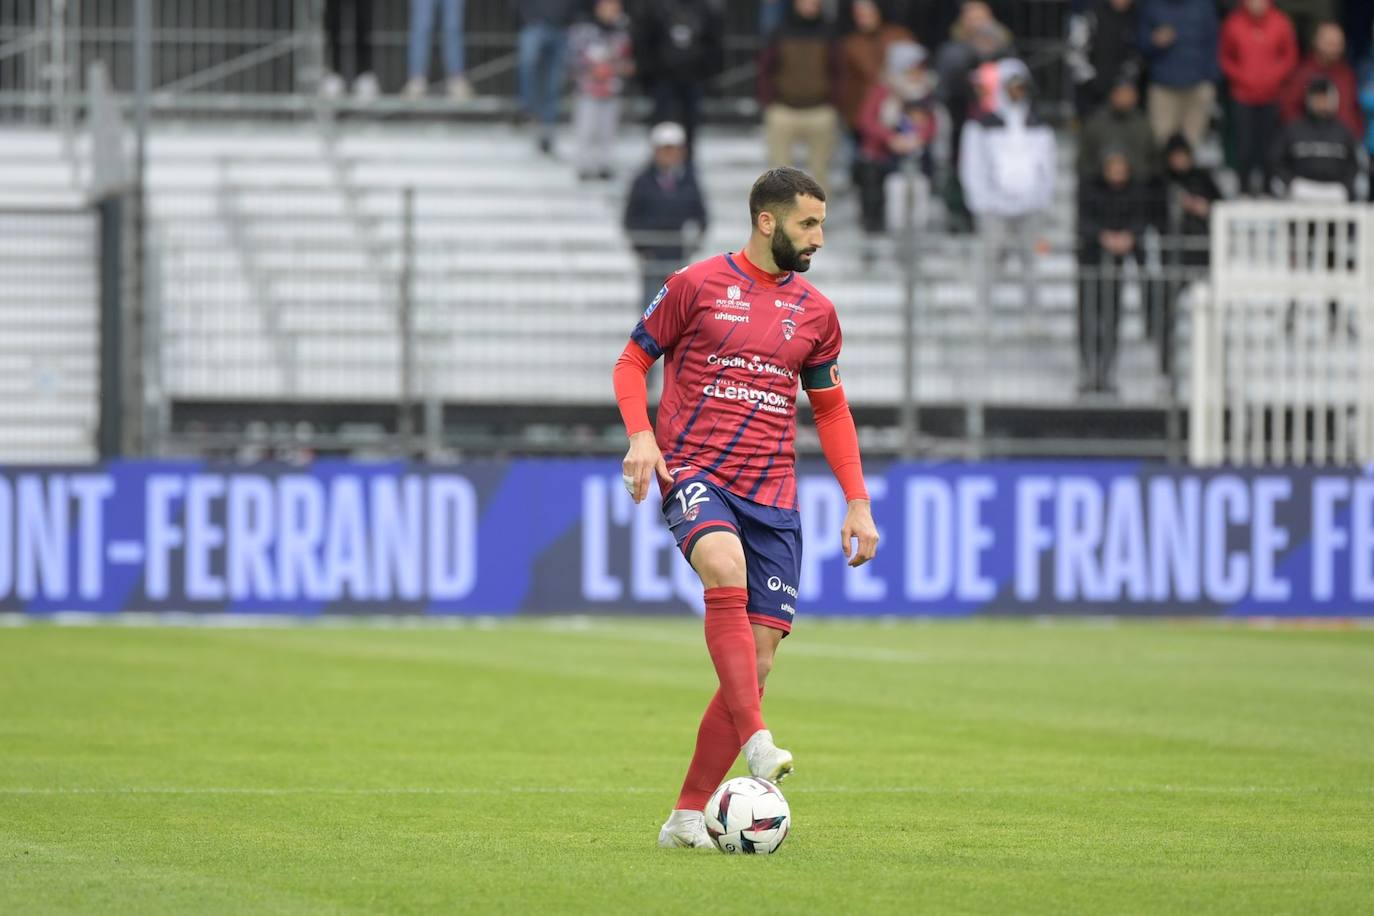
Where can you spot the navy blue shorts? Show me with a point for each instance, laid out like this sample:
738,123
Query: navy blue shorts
771,537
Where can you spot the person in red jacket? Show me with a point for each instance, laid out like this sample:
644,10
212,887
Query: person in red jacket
1258,52
1326,61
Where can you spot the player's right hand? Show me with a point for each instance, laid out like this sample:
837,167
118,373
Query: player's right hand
642,461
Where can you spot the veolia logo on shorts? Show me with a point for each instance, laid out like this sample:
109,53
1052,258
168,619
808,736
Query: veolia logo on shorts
775,585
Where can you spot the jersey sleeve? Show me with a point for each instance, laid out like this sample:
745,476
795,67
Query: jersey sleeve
827,349
666,316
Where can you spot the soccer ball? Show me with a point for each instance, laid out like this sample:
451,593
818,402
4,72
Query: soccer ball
747,814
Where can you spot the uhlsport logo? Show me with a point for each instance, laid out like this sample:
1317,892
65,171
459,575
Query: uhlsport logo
789,327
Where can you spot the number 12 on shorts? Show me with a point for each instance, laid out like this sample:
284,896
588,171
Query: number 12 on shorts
694,494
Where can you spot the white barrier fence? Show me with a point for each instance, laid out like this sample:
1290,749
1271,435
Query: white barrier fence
1283,343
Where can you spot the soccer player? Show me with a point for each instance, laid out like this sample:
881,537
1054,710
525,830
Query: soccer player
738,333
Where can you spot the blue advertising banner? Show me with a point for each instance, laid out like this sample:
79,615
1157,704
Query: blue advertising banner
562,536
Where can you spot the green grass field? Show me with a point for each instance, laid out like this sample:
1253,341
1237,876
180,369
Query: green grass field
965,767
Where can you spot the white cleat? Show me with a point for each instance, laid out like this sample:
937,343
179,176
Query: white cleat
766,760
685,830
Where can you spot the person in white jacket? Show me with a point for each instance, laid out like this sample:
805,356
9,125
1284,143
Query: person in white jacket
1007,164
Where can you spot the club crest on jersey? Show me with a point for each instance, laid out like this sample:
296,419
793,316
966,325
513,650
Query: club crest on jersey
657,299
692,513
789,327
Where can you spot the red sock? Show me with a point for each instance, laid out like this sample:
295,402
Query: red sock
730,640
717,748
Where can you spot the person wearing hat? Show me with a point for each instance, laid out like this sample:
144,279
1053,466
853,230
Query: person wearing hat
664,206
1316,157
1121,124
1186,241
1007,166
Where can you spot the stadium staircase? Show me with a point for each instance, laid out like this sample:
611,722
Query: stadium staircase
281,274
49,295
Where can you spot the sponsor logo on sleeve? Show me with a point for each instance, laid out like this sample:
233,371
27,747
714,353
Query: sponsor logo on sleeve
657,299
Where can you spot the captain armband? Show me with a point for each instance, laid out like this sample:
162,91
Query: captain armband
825,375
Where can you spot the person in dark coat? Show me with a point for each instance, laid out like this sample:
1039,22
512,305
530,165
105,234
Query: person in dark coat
1113,212
1179,39
1186,242
679,45
1120,124
1102,47
1316,157
663,206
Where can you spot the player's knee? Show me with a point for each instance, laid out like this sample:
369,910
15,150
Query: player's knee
722,569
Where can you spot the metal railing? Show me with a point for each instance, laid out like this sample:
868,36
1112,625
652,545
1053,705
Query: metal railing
268,56
1283,356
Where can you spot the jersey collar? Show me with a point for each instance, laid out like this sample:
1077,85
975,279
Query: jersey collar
741,264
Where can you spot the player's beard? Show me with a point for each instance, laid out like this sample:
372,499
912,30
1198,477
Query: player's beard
786,255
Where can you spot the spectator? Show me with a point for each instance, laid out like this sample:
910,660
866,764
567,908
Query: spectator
451,36
1194,190
863,55
1112,214
364,81
543,44
1121,125
974,39
1179,38
601,61
678,45
1102,47
1306,14
1316,157
1007,165
771,13
1187,244
1367,104
1258,53
897,120
1327,60
664,208
797,73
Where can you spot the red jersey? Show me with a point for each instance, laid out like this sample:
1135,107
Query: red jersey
735,341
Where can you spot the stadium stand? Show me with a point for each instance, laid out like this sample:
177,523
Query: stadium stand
48,304
280,249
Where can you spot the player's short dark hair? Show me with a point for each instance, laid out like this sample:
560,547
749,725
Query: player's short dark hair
777,190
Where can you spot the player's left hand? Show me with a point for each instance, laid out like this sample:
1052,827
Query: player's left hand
858,524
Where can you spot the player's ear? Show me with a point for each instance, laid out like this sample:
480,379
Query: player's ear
767,223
